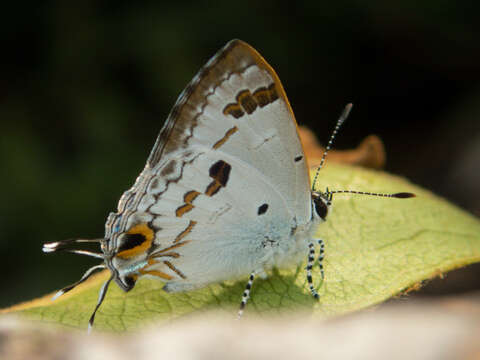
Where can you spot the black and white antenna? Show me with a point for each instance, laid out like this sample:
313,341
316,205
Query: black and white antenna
400,195
63,246
328,194
101,297
340,121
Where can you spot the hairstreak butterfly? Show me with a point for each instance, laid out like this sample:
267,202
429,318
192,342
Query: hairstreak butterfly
225,191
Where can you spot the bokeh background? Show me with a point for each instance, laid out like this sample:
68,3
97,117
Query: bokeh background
85,88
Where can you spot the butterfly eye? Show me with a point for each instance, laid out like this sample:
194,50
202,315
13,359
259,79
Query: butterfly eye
321,208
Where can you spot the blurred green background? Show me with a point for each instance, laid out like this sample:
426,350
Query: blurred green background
85,88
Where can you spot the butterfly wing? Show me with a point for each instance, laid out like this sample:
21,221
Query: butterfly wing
227,178
236,104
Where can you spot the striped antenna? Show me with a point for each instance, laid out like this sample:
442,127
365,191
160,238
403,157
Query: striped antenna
101,297
402,195
85,276
74,251
340,121
62,246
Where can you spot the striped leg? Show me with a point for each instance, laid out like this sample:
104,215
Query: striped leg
320,257
246,294
311,259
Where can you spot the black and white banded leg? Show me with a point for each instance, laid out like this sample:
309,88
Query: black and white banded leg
246,294
320,257
311,259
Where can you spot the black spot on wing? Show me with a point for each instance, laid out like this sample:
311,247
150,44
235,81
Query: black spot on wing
131,241
262,97
247,102
234,110
262,209
245,99
220,171
273,92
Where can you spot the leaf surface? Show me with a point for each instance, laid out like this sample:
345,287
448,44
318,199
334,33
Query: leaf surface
375,249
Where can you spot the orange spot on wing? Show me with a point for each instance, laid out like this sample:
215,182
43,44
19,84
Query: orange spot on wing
161,274
247,102
272,92
212,188
183,209
157,273
172,254
177,245
141,231
188,206
185,232
222,141
233,109
262,96
190,196
173,268
220,172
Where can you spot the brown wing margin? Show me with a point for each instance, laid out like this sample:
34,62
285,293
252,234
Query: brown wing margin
233,58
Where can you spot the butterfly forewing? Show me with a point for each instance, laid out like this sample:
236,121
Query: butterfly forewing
236,105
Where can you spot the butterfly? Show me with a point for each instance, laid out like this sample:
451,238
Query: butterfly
225,192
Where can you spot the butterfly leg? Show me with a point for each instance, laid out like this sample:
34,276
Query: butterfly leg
246,294
320,257
311,259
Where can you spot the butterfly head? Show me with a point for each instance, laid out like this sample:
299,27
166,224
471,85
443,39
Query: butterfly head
321,203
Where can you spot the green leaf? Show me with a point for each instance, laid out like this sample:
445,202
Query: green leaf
375,249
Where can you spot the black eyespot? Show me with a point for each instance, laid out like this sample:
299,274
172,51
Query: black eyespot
321,208
262,209
132,240
298,158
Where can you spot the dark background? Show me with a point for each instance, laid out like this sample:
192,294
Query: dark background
85,88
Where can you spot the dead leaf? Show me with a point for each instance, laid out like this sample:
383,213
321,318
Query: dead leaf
370,153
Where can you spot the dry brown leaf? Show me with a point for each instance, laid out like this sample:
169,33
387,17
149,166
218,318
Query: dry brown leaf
370,153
